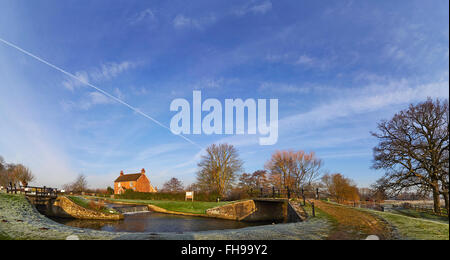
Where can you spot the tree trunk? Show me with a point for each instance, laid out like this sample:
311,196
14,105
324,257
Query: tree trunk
436,199
445,194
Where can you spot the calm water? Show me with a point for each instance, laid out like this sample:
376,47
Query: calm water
156,222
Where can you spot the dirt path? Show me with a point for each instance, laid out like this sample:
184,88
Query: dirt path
354,224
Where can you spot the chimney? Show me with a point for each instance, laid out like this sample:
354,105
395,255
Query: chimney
143,171
121,173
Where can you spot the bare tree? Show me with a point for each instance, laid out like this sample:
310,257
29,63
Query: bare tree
260,179
281,166
173,185
246,181
413,149
14,174
2,164
218,168
4,178
7,177
22,174
79,185
292,169
193,187
254,181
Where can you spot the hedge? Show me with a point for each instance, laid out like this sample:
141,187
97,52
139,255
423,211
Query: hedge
133,195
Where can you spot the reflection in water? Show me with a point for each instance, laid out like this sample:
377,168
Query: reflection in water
157,222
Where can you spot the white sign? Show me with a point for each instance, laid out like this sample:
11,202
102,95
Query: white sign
189,195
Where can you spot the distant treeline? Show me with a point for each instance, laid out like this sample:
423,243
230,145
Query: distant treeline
133,195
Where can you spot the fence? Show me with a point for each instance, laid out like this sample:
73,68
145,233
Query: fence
287,192
363,204
425,209
33,191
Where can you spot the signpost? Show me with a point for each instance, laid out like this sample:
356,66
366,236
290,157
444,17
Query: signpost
189,195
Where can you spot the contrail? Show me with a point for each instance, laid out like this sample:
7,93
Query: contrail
97,89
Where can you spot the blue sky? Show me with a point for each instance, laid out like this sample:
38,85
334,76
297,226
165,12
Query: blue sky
337,68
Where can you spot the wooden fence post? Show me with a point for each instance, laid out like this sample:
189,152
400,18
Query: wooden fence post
313,209
303,196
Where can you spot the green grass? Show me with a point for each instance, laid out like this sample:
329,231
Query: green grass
415,228
4,236
13,197
196,207
422,215
79,201
319,213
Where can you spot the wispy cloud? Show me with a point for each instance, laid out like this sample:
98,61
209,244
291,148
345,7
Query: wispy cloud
71,84
208,83
147,14
255,7
106,71
395,52
111,70
314,62
304,60
287,88
367,99
355,154
96,98
350,103
277,57
184,22
214,83
88,100
152,152
118,93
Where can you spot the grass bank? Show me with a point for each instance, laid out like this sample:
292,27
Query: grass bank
415,228
404,227
196,207
20,220
421,215
91,205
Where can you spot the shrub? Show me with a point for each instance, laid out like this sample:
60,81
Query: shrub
98,206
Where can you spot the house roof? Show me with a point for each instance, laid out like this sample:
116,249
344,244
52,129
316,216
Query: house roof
128,177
